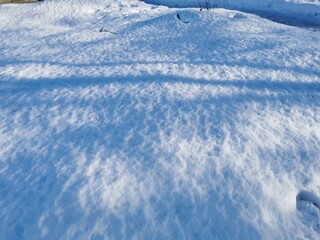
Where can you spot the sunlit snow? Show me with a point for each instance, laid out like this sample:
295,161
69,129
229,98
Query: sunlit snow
126,120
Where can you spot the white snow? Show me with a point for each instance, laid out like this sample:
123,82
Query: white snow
203,127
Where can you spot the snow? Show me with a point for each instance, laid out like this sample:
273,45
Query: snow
203,127
308,10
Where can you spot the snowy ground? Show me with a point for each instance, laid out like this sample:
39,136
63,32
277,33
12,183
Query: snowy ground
167,124
306,10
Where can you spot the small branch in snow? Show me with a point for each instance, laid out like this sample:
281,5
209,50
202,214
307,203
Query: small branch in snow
106,30
179,18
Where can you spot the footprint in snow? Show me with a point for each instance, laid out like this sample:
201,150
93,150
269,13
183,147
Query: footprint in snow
237,15
308,204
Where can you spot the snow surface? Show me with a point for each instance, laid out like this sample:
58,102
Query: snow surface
301,9
155,127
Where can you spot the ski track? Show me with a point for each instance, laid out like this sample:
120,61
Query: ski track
159,131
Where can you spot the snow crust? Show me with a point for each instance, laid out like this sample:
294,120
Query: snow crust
205,126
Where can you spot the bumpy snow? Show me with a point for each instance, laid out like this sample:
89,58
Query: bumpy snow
123,120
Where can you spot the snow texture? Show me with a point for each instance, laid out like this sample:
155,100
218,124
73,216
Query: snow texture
121,120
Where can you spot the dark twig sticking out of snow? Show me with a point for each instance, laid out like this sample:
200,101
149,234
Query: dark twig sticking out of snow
179,18
207,5
106,30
